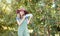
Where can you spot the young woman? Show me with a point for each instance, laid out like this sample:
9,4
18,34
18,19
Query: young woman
23,18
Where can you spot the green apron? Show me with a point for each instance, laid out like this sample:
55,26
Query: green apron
23,29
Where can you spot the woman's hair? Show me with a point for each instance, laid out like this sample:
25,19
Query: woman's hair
22,9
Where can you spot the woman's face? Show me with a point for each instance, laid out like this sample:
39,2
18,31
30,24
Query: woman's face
21,13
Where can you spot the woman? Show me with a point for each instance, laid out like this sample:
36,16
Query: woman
23,18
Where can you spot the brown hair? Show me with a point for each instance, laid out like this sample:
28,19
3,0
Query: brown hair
25,12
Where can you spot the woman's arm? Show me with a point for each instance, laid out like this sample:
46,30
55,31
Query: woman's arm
30,16
20,21
29,19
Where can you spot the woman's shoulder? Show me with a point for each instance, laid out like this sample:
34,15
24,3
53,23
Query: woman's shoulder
17,18
29,14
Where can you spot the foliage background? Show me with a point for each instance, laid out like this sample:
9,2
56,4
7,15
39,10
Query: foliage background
46,20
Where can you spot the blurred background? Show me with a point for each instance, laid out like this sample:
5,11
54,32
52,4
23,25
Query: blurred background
46,20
